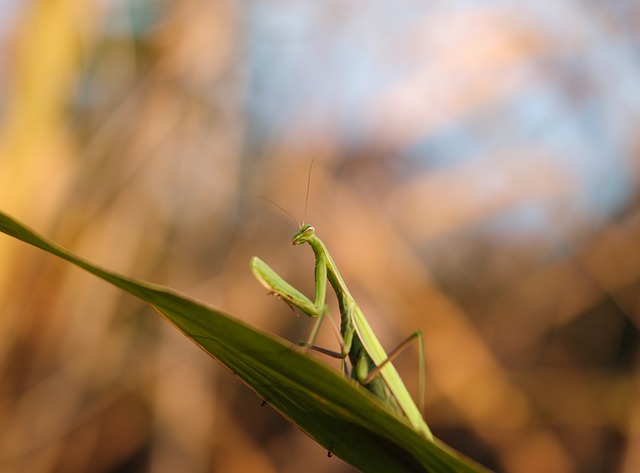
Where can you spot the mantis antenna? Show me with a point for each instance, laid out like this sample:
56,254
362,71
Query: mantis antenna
306,200
281,208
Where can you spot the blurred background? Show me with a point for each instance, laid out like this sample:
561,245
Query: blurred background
476,176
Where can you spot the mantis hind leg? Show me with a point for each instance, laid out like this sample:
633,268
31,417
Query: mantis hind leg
418,336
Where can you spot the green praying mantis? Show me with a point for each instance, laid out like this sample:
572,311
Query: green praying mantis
370,364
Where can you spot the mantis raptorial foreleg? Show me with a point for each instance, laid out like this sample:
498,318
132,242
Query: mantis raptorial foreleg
295,299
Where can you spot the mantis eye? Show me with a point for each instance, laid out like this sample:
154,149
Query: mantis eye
303,235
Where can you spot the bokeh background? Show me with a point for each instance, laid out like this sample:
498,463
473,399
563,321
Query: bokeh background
476,176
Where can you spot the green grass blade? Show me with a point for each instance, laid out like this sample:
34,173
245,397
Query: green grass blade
340,415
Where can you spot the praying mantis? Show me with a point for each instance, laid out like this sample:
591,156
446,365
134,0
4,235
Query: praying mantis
370,364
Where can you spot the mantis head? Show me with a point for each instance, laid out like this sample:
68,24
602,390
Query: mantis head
303,235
